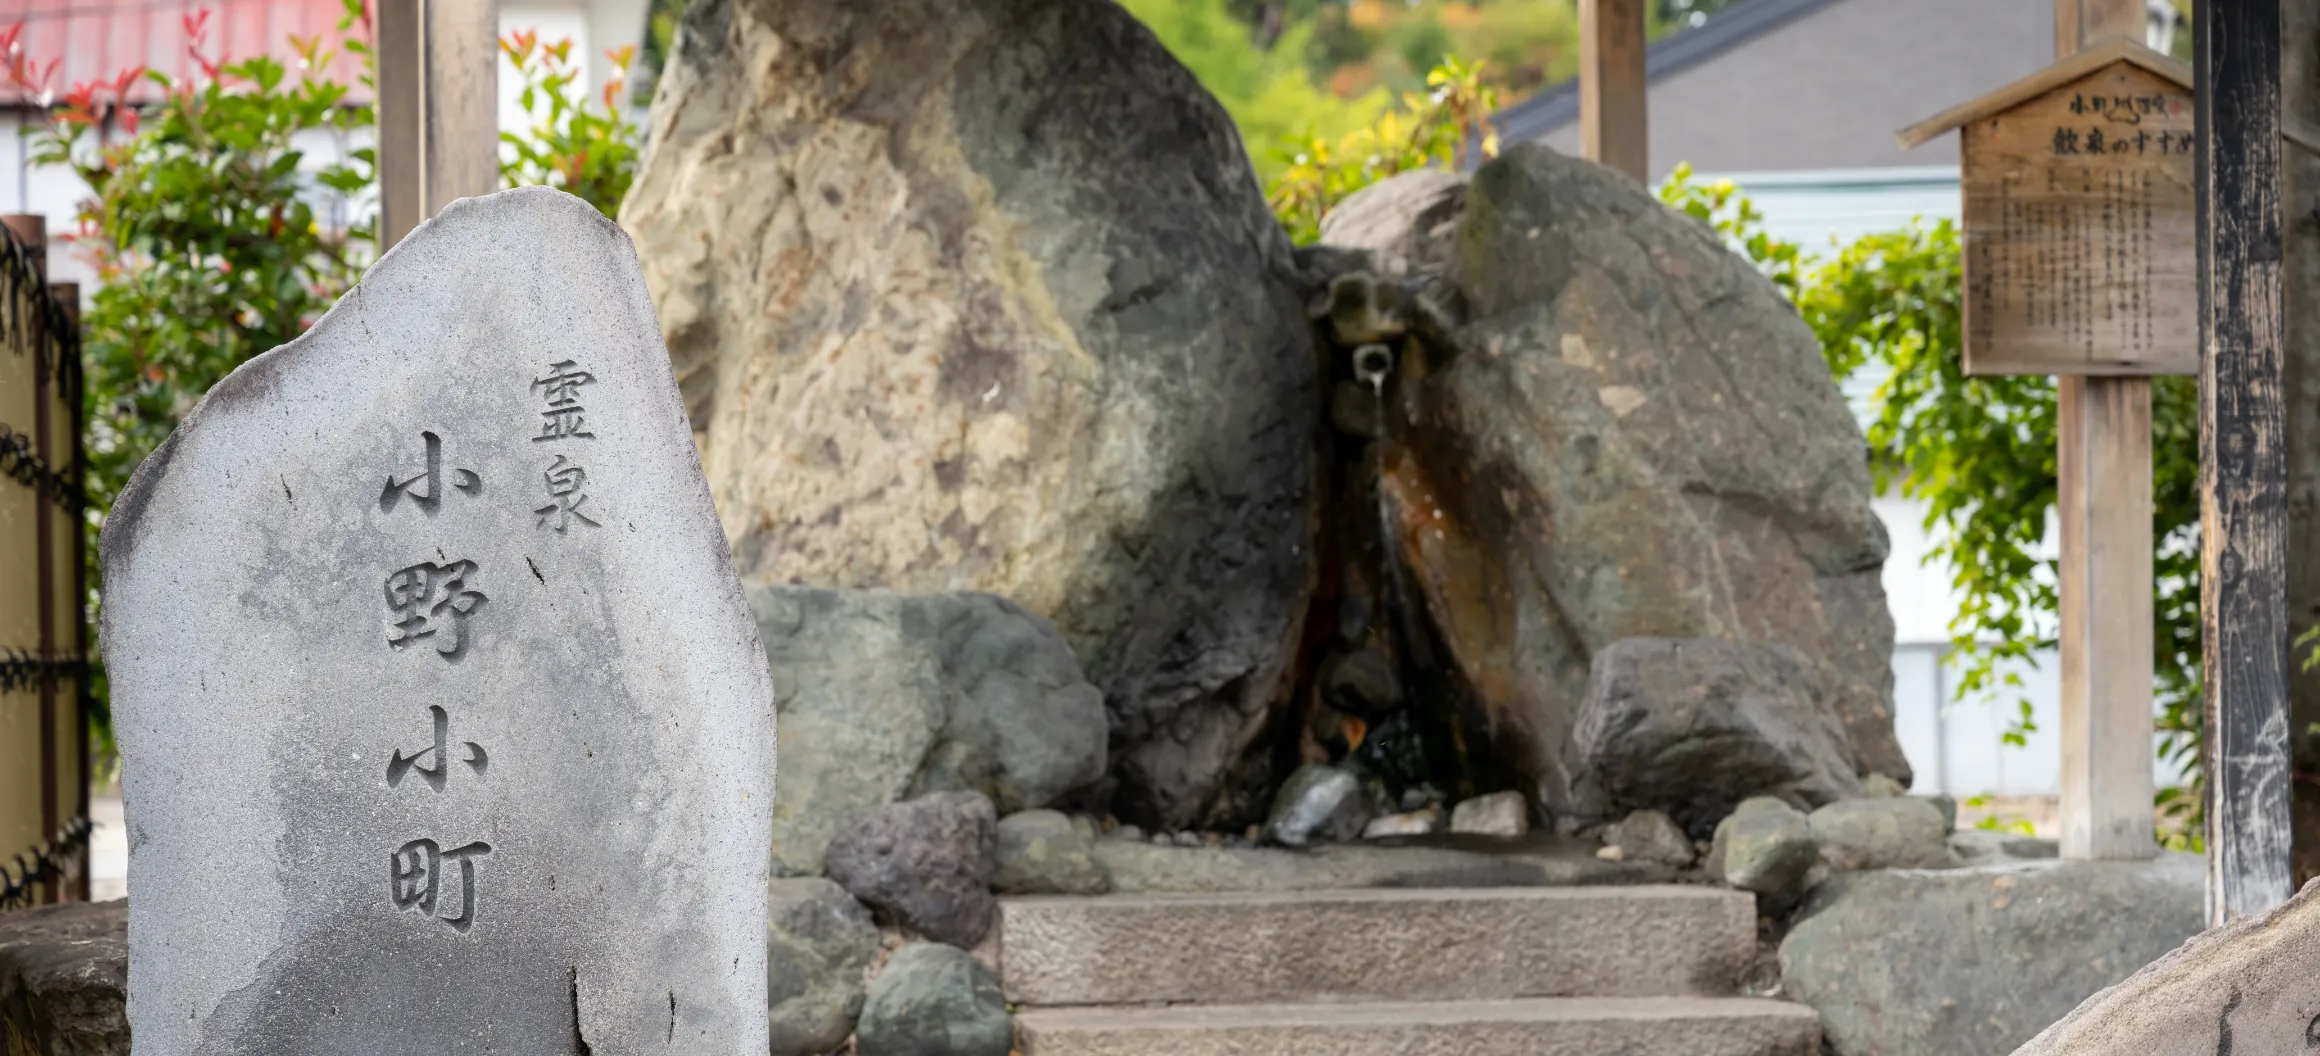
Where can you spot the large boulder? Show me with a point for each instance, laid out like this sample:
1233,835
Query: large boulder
983,294
1603,424
1697,726
1976,961
898,695
2246,987
64,976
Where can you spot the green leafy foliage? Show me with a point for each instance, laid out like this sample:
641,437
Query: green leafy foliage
1268,91
1980,452
1440,126
577,144
202,226
1723,208
210,226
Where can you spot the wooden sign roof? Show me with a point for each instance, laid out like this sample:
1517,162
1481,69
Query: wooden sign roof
2047,80
2078,221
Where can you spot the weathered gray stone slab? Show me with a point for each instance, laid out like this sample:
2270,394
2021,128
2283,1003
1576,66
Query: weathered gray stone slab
2251,986
1973,962
444,569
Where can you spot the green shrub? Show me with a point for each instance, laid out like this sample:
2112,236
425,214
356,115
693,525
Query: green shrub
1980,452
202,220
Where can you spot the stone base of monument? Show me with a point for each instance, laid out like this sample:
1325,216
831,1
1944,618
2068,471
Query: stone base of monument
1976,961
64,977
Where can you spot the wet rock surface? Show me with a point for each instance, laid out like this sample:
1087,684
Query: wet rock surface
64,977
907,694
1976,961
819,946
1318,803
1576,363
928,861
983,294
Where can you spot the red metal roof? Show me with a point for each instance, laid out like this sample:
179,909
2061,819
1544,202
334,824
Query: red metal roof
95,40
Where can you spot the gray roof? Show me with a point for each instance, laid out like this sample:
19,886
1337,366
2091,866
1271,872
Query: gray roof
1772,85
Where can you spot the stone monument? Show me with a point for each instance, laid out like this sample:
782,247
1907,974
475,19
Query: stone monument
444,722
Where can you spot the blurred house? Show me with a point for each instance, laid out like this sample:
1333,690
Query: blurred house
1797,102
95,41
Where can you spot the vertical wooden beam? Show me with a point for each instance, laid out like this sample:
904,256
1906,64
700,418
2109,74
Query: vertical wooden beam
68,301
2103,499
2081,24
462,98
1613,125
400,157
438,107
2242,457
31,229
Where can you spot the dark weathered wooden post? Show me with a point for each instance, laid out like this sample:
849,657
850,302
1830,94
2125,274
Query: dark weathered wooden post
2242,457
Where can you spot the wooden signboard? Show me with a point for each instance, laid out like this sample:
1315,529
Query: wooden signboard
2079,241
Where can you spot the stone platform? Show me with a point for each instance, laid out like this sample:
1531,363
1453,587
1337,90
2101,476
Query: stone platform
1646,969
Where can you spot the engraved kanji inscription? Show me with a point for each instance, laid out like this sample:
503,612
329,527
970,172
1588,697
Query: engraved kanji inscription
416,878
565,478
399,765
428,600
561,388
425,490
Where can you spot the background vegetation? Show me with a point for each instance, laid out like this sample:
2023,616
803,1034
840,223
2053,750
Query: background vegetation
204,224
208,222
1980,452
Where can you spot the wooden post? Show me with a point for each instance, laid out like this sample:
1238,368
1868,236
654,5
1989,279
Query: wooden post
2080,24
438,105
2103,496
1613,123
2242,457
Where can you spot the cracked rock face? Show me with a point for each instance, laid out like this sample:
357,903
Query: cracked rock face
1619,429
983,295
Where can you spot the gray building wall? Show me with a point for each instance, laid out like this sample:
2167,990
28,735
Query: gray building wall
1828,89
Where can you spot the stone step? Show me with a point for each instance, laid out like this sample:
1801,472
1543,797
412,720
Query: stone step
1390,944
1552,1026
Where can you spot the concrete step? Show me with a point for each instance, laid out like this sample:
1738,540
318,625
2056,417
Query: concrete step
1389,945
1555,1026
